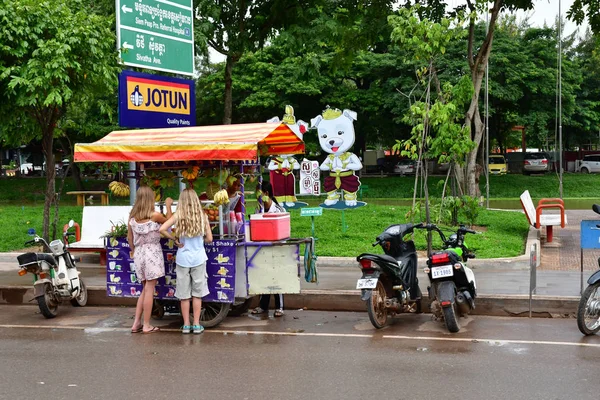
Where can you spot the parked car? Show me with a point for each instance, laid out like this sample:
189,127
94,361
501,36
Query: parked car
405,167
535,163
590,163
497,165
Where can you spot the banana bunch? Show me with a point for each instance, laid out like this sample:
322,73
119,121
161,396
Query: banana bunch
119,189
221,197
191,173
157,195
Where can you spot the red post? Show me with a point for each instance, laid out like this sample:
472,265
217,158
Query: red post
77,231
549,233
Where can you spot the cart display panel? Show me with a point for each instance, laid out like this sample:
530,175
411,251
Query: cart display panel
121,280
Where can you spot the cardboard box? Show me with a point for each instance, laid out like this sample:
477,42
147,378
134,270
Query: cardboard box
269,227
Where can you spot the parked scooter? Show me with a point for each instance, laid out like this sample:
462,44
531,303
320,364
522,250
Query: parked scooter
55,275
389,282
588,312
453,288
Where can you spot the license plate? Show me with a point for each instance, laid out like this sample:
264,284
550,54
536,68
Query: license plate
368,283
441,272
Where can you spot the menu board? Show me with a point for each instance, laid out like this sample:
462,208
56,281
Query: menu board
121,280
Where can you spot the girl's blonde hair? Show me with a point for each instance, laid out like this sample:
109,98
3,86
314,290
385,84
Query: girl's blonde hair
190,219
144,204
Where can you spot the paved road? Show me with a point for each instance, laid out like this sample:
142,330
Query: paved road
89,353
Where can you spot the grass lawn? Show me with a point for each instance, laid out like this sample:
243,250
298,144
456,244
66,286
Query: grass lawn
504,235
15,221
31,190
504,232
501,187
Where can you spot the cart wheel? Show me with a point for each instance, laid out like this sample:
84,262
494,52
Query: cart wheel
238,309
213,313
158,310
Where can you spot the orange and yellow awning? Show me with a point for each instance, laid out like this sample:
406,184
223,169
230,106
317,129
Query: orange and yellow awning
220,142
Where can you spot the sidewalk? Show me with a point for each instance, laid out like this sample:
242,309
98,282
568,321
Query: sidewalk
498,280
564,253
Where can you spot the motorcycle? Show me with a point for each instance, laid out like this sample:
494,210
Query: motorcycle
389,283
588,311
55,275
453,288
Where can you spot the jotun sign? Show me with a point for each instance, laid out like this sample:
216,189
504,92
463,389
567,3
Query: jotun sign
151,101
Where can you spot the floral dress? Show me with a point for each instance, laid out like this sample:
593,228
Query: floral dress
148,256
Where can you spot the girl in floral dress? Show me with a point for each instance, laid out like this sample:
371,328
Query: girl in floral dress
144,241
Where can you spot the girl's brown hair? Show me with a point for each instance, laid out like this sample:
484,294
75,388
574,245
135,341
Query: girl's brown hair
144,204
190,218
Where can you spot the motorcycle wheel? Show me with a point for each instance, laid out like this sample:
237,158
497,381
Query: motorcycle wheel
378,314
450,319
82,297
213,313
588,312
48,307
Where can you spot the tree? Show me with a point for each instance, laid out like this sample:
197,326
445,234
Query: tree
235,27
54,54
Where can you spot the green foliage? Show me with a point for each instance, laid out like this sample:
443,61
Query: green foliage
453,204
52,54
470,208
117,230
439,116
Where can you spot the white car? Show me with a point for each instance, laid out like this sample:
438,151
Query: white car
590,163
405,167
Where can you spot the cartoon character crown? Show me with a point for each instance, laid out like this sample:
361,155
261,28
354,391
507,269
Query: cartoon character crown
288,117
331,113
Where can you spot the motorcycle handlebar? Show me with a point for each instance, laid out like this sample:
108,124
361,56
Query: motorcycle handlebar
29,242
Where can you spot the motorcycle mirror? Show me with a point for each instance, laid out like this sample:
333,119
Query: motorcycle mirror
71,223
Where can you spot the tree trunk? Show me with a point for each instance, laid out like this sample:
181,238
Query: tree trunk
473,118
77,176
228,97
47,139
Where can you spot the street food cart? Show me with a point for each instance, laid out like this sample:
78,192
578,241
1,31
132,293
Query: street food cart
237,267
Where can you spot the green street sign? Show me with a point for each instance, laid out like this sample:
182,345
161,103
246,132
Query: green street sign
156,34
311,211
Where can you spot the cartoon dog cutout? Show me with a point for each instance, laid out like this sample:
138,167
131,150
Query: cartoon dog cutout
281,168
336,136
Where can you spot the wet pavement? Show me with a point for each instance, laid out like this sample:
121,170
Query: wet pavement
89,353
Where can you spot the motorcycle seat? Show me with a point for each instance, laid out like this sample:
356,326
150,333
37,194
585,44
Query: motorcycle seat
49,258
31,258
387,258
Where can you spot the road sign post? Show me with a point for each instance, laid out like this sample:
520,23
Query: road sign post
311,212
156,34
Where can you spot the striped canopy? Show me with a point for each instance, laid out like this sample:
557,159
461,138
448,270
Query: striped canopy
220,142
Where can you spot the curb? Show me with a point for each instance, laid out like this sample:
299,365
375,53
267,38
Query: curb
349,300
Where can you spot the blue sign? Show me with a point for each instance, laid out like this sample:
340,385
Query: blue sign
590,234
153,101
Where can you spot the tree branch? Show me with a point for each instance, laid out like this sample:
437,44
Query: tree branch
217,48
487,43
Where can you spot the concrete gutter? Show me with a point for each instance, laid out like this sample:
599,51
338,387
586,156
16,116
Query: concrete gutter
349,300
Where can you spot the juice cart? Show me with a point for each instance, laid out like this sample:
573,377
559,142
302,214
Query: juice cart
238,267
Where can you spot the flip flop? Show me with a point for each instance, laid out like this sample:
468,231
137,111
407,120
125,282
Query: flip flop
154,329
138,330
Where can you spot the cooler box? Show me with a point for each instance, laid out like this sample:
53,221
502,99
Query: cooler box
267,227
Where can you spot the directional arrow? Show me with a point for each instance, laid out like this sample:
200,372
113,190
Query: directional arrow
127,46
126,9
